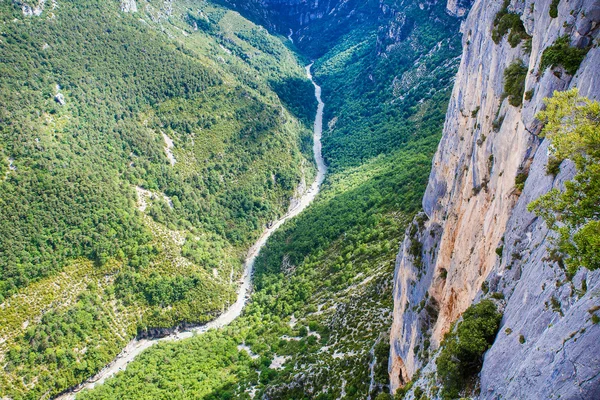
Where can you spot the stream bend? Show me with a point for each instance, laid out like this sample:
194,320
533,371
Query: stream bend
136,346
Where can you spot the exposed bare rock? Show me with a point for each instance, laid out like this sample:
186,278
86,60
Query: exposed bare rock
128,6
458,7
168,7
146,197
169,149
472,208
30,8
60,99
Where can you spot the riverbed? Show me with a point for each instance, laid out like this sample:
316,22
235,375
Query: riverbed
137,346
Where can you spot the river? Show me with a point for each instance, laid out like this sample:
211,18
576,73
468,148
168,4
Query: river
135,347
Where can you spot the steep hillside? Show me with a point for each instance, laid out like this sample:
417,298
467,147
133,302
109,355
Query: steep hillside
143,149
383,65
476,240
317,324
315,27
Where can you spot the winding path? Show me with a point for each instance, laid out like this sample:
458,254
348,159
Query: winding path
135,347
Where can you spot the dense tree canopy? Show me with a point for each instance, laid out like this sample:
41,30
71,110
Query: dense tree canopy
89,98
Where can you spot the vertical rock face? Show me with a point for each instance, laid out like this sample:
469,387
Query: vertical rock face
474,213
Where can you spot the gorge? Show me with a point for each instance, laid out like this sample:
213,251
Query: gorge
426,266
135,347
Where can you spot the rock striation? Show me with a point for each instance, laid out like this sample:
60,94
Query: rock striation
476,228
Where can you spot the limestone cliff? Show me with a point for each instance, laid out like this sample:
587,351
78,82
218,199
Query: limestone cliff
475,226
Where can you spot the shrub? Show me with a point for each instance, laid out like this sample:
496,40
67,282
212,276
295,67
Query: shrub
527,45
497,123
490,163
419,394
529,94
485,287
415,250
514,82
506,21
556,306
444,273
520,180
561,53
499,251
382,353
462,352
553,11
553,166
572,127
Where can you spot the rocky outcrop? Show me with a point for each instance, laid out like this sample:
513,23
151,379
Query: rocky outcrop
129,6
60,99
31,9
476,227
459,7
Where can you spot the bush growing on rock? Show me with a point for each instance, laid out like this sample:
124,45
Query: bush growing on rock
573,127
514,82
506,21
462,352
561,53
553,11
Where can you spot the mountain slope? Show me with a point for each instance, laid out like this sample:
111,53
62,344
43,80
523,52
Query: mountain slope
317,323
144,152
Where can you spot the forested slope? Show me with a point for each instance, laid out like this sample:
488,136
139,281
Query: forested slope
141,154
317,323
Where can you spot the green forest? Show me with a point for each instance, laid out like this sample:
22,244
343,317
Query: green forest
322,295
144,150
107,229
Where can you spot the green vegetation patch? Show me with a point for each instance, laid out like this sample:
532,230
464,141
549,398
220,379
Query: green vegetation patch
514,82
553,11
322,294
505,22
376,103
90,178
572,124
79,339
461,357
238,155
563,54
